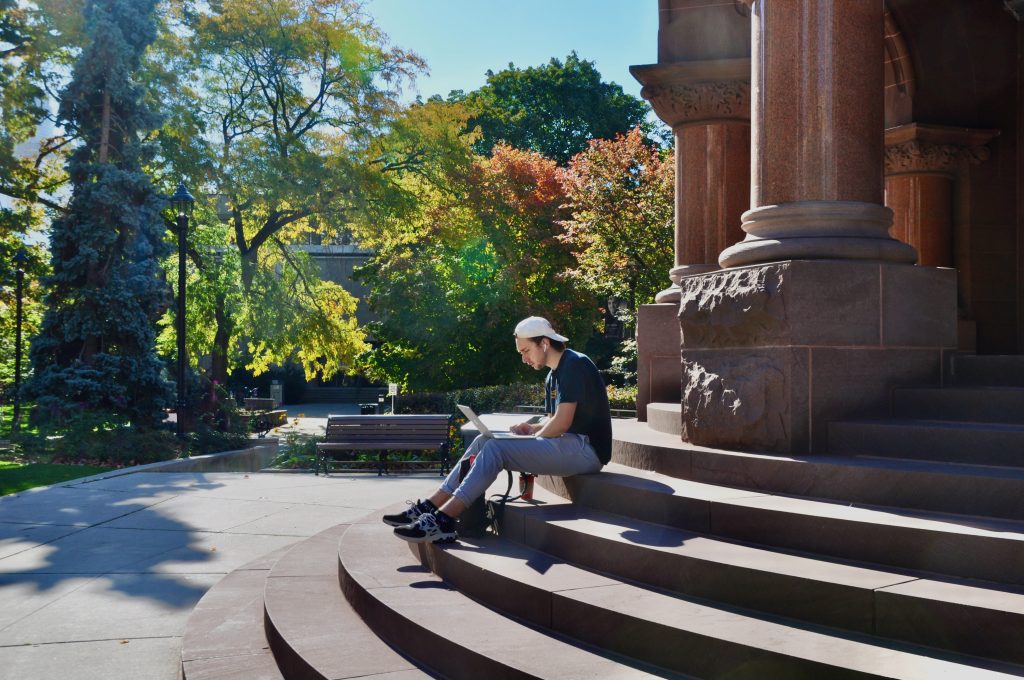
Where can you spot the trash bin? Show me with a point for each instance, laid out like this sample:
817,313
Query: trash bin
367,409
276,392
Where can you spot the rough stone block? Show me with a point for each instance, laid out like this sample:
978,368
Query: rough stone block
782,303
747,399
772,353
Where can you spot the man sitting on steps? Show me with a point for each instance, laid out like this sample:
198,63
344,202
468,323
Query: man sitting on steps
575,437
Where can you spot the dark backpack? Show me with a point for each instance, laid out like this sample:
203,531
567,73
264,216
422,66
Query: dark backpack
483,513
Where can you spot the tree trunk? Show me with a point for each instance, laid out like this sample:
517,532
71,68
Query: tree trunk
221,339
248,262
105,128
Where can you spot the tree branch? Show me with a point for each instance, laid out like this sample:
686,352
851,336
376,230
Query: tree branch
22,196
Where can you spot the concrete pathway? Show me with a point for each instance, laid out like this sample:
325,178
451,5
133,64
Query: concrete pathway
98,577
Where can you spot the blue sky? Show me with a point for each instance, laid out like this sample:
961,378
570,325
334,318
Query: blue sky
462,39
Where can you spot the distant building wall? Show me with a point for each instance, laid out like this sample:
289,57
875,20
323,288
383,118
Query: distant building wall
337,263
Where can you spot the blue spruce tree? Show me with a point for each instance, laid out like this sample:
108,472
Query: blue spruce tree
95,350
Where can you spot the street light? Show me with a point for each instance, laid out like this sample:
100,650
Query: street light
20,258
182,204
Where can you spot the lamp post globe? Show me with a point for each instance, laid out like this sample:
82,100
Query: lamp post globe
182,204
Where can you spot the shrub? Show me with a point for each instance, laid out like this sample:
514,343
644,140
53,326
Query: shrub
218,425
298,452
100,438
622,397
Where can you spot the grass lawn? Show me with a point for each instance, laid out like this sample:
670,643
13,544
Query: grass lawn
16,477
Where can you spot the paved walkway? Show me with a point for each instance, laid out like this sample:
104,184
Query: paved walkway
97,578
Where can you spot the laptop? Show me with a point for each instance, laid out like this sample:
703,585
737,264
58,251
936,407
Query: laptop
485,431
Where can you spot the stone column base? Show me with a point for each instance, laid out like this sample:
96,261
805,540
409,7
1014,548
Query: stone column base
847,230
771,353
657,363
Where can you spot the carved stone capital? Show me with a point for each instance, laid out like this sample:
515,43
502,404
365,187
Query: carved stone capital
700,102
684,93
917,156
914,148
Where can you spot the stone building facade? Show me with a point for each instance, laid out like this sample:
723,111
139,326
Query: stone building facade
848,208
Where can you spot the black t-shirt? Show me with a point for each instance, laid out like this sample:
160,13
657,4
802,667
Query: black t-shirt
576,380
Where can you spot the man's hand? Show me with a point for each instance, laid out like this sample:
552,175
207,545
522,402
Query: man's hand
523,428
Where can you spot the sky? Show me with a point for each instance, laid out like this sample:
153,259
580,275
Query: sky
462,39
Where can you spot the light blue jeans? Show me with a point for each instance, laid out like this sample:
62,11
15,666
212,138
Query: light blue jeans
570,454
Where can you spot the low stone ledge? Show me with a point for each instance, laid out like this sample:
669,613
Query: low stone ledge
250,459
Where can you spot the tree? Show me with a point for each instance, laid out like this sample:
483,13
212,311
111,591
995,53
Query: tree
273,105
619,197
554,109
470,252
95,350
22,106
37,44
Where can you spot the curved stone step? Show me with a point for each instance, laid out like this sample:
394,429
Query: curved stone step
953,545
312,630
665,417
444,629
935,440
924,485
224,636
672,632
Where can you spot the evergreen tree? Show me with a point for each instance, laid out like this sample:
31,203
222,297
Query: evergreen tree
95,350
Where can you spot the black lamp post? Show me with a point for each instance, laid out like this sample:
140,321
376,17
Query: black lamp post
182,204
20,258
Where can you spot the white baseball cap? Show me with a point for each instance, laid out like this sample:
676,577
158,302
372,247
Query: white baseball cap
535,327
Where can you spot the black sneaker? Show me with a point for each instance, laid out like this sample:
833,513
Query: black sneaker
410,514
429,528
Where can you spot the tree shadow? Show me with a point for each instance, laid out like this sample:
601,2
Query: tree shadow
56,535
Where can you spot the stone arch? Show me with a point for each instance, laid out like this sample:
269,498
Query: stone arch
899,76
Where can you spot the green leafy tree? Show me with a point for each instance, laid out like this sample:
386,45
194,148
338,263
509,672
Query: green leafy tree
470,252
95,350
35,40
554,109
273,105
619,196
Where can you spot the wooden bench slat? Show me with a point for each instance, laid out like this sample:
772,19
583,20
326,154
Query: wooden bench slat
405,432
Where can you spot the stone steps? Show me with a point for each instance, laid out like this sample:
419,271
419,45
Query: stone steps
943,544
975,404
862,598
283,617
444,629
979,421
988,370
999,444
920,485
224,637
676,633
312,630
570,612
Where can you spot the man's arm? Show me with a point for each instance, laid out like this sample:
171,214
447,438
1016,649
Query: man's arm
558,424
551,425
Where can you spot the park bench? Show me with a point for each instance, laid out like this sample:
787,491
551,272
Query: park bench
406,432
